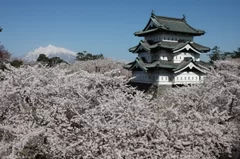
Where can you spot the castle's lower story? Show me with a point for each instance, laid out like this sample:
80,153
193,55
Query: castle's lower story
168,73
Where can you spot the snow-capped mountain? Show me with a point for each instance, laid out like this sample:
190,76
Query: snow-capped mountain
51,51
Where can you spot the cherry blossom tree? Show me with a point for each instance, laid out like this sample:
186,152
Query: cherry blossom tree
71,113
209,113
103,66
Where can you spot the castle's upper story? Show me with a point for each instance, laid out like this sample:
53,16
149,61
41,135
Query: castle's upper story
168,25
168,50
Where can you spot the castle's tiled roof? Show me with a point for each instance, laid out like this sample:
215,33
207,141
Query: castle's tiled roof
169,24
145,66
168,45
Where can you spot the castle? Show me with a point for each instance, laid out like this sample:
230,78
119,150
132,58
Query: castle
168,54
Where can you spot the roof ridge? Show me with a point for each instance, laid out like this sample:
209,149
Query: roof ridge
171,18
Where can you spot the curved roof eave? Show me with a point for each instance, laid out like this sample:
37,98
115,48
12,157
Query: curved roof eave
138,47
137,63
190,65
186,46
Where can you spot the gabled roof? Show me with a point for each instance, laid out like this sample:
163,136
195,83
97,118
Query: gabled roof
142,45
145,66
174,46
189,63
139,63
200,47
175,67
168,24
191,46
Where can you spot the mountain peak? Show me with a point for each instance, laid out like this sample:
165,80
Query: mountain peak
51,51
50,45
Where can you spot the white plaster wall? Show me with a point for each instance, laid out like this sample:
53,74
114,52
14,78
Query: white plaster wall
188,78
168,37
178,57
163,77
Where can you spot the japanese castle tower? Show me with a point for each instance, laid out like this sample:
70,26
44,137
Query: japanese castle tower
168,55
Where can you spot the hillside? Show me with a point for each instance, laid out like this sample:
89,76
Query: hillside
51,51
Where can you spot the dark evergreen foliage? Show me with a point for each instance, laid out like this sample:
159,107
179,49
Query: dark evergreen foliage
217,54
50,61
42,58
16,63
84,56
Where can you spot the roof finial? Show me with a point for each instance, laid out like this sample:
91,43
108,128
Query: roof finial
152,13
184,17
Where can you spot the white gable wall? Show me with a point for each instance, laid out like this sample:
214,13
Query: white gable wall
178,57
